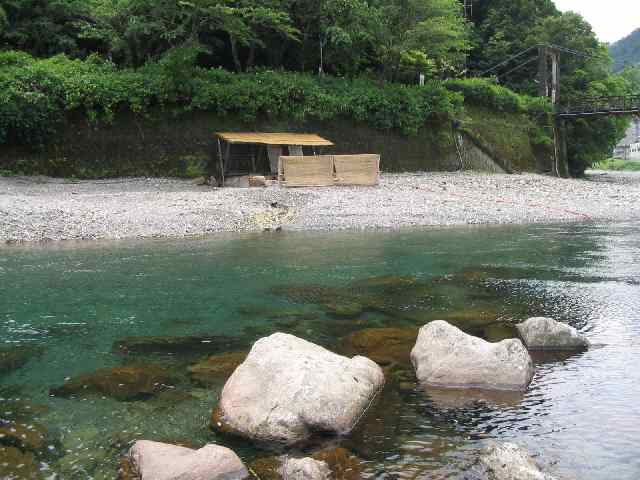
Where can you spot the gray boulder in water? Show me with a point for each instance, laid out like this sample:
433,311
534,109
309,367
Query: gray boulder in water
288,389
305,469
446,357
507,461
161,461
541,333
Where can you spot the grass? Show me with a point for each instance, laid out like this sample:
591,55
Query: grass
617,165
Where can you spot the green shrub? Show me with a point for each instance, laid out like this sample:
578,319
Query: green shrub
486,93
36,95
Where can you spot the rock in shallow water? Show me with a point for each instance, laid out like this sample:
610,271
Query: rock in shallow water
508,461
12,358
446,357
541,333
305,469
209,370
384,346
126,382
342,465
288,389
18,465
177,345
160,461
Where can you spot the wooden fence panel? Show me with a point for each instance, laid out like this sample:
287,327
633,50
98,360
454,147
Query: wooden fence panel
357,169
311,171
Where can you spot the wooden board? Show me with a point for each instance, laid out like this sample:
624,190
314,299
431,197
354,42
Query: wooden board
312,171
357,169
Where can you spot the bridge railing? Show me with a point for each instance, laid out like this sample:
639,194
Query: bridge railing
601,105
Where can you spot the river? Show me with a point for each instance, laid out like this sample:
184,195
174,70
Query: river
66,309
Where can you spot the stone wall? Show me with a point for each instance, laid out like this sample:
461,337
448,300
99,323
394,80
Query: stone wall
166,144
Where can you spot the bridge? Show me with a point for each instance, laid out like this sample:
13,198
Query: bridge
626,105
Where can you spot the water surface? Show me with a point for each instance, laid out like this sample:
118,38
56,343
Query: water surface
69,303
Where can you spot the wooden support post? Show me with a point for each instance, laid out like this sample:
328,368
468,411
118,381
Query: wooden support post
220,180
225,160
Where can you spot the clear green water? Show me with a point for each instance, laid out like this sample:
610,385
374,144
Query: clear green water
581,414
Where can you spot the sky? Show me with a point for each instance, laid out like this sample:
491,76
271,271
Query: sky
611,19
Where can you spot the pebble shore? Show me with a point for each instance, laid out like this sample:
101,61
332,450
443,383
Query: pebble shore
35,209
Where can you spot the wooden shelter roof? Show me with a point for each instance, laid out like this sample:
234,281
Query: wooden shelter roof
305,139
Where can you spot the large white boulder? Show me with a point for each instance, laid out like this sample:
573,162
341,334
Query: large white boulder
305,469
542,333
507,461
446,357
161,461
288,388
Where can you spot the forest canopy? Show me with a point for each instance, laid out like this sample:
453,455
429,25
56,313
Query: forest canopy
376,41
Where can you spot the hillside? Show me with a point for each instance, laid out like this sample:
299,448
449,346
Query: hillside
626,51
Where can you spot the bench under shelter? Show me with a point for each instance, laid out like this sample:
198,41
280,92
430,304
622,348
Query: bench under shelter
240,154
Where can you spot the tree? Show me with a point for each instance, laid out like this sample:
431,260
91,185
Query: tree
44,27
428,36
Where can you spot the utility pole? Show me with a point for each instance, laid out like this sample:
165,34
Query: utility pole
549,87
549,73
468,9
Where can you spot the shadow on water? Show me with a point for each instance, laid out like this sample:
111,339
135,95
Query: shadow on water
106,343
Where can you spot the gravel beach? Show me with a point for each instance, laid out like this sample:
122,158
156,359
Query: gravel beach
42,209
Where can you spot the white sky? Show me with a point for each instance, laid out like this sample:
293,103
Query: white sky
611,19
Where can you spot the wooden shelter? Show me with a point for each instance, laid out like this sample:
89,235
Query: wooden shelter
247,153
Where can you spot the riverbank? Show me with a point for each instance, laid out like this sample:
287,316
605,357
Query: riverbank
43,209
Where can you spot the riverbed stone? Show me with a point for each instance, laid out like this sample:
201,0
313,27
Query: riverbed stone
543,333
287,389
305,469
446,357
125,382
211,369
161,461
342,464
14,357
507,461
385,346
26,436
18,465
148,345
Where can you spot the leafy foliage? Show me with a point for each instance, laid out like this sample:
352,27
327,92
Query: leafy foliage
101,55
36,94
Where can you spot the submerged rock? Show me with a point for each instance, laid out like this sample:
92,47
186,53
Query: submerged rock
26,436
211,369
344,309
305,469
177,345
12,358
507,461
342,465
496,332
161,461
18,465
446,357
126,382
384,346
542,333
287,389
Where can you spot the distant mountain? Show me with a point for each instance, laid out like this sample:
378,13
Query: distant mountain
626,51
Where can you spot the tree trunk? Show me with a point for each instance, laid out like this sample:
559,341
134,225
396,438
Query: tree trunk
252,57
235,54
